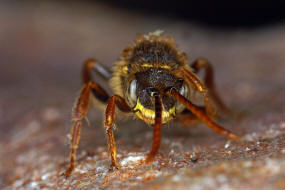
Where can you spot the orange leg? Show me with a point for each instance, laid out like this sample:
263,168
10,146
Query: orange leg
79,112
76,129
156,129
209,81
81,105
195,81
199,113
109,122
187,118
93,65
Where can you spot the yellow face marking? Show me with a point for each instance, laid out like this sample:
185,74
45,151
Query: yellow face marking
148,115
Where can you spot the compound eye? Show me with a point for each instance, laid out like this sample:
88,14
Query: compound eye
184,90
132,91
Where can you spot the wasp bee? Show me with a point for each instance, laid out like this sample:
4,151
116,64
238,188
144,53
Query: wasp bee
153,81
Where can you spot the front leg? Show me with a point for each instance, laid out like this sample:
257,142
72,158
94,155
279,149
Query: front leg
156,129
109,123
200,114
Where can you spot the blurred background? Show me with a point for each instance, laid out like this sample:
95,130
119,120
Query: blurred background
215,14
44,43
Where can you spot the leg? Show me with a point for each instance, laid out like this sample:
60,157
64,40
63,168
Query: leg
109,122
76,130
209,81
97,91
93,65
196,83
156,129
187,118
79,112
202,116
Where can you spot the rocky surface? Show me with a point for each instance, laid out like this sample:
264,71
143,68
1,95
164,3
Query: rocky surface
42,47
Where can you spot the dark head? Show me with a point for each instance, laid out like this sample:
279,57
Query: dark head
154,81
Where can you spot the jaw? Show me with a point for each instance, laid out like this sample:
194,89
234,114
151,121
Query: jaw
148,115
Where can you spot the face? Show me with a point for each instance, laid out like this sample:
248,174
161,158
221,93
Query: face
145,84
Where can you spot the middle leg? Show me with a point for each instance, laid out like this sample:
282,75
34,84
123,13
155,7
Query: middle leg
78,113
80,108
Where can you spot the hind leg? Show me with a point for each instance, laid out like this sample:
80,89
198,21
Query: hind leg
200,64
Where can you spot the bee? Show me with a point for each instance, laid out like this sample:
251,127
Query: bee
153,81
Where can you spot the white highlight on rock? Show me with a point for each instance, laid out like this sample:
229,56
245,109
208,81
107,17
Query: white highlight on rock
45,176
33,185
132,159
227,145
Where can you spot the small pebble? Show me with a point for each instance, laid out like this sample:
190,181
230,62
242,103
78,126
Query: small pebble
193,157
33,185
45,176
227,145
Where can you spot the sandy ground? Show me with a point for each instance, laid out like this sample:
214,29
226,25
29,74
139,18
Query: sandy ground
42,47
